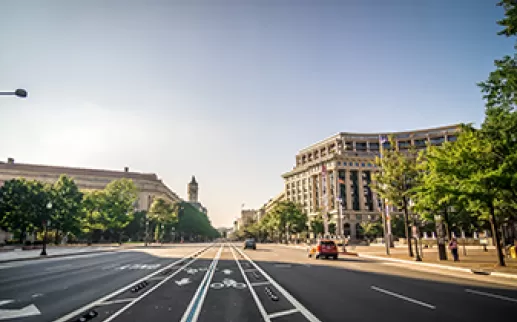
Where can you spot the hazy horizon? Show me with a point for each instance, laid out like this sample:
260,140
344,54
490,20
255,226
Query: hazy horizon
230,91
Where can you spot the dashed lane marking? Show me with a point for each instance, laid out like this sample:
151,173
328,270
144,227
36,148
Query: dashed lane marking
402,297
495,296
283,313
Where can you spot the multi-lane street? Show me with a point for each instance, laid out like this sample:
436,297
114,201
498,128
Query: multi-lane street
222,282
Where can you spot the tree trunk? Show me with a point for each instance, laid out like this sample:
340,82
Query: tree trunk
446,221
406,224
56,237
495,233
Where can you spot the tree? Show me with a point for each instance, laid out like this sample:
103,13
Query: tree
371,229
288,218
396,179
93,213
316,224
66,199
163,215
15,207
120,198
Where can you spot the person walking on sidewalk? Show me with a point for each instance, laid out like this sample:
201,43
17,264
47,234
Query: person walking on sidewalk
453,246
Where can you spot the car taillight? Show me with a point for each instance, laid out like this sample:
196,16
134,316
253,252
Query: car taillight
318,248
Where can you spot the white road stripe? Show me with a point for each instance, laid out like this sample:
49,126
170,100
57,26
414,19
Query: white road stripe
117,301
303,310
196,303
496,296
80,310
130,304
249,270
378,289
283,313
260,283
260,307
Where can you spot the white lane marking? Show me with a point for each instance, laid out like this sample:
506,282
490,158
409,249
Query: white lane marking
191,314
54,268
130,304
196,303
6,266
37,295
409,299
303,310
496,296
156,278
28,310
252,291
73,314
117,301
227,271
260,283
183,281
249,270
283,313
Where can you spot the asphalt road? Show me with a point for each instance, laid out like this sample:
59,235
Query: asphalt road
225,283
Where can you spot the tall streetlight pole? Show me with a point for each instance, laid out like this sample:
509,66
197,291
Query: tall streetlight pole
45,226
19,93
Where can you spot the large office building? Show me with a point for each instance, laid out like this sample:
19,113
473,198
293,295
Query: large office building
148,184
347,162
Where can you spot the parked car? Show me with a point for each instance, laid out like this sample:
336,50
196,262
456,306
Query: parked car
324,248
250,243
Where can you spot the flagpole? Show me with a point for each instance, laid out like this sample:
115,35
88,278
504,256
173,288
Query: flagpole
388,240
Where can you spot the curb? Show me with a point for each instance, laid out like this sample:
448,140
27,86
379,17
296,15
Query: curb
58,255
446,267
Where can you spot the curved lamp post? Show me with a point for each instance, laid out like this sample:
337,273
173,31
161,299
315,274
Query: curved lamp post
20,92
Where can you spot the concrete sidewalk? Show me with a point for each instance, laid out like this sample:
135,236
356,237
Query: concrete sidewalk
476,261
19,255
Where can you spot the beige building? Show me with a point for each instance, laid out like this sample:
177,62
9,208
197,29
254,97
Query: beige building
349,162
148,184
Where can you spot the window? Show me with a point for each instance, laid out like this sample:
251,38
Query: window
360,146
374,146
358,217
404,144
369,165
420,143
438,140
362,164
452,138
351,164
357,164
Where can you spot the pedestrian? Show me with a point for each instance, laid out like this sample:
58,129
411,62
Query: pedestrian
453,246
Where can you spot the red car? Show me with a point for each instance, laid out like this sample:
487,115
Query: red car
324,248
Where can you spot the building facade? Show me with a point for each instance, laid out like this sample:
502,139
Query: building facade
148,184
347,161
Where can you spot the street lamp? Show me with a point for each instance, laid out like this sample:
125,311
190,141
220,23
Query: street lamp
19,92
45,226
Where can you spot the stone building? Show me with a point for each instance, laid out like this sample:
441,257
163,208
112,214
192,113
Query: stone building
346,160
148,184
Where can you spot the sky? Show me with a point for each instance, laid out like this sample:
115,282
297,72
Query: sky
230,91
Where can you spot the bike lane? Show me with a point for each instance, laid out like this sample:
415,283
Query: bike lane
228,297
169,301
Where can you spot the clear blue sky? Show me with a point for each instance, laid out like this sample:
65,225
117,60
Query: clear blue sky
231,90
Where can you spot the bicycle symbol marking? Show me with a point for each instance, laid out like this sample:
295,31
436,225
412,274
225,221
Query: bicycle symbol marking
228,283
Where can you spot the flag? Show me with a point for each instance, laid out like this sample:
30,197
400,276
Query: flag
341,181
383,139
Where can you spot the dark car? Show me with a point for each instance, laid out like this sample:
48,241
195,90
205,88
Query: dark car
250,243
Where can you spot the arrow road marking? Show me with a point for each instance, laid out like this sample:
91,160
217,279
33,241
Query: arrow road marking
227,272
191,271
17,313
183,281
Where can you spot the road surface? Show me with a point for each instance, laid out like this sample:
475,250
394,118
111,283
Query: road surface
222,282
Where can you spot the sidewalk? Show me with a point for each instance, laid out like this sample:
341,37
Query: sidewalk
59,251
476,260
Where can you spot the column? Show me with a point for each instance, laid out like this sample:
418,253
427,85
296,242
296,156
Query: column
353,232
361,189
348,184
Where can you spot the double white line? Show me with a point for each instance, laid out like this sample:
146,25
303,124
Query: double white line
100,301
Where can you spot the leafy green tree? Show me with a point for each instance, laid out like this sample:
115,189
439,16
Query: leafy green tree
395,181
371,229
162,212
316,225
66,199
194,224
15,207
288,218
120,198
94,213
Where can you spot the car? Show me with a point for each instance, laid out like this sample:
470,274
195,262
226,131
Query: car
325,248
250,243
